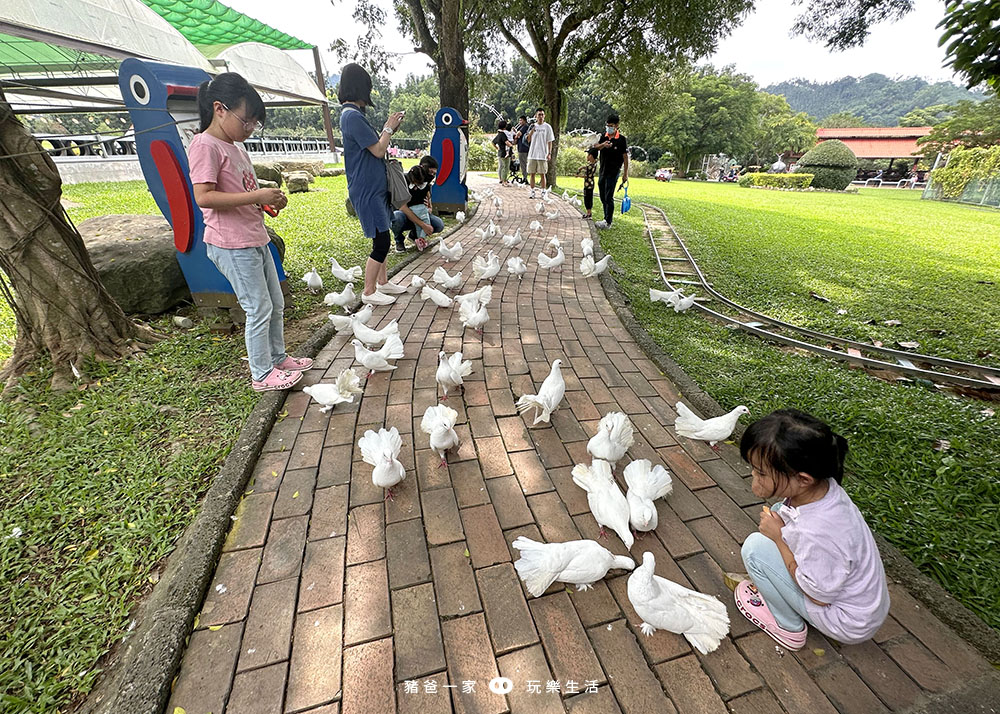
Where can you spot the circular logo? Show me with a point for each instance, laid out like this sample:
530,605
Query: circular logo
501,685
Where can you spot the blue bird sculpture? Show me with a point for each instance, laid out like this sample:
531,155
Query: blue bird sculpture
450,147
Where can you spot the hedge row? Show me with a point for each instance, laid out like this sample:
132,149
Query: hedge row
776,180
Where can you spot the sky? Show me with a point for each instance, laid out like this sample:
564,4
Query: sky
760,47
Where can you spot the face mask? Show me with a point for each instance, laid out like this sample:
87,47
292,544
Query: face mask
611,131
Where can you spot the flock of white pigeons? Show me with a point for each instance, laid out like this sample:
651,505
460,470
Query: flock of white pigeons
661,603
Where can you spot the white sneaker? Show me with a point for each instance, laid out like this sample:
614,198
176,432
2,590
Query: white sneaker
377,298
390,289
601,224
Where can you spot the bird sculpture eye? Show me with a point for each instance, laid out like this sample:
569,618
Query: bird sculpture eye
446,120
140,90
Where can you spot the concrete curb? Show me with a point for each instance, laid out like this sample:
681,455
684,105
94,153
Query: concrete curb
138,680
898,567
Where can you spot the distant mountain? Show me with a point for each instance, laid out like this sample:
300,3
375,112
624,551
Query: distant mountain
878,99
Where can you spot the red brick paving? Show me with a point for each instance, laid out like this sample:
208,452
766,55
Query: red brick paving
328,599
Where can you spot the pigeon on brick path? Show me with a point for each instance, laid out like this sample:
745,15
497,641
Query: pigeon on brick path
439,298
615,435
606,500
548,263
485,268
340,392
587,245
451,371
375,337
379,361
646,483
381,450
416,282
454,252
516,266
578,562
588,268
711,430
439,424
343,323
550,394
448,282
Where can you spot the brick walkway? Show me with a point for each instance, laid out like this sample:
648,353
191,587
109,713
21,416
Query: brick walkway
328,600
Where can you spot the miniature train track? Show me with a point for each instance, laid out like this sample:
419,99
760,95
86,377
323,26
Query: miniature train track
679,270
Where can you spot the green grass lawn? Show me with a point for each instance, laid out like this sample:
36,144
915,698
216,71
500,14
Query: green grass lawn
101,482
881,255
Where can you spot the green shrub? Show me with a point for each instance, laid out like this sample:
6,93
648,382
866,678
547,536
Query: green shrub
776,180
964,165
832,164
640,169
569,159
482,157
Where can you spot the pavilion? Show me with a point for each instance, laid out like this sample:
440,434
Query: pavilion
898,142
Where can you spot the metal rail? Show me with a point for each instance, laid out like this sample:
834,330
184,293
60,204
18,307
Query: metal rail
987,378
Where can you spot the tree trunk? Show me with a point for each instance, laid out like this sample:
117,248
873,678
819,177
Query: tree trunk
63,311
451,58
553,108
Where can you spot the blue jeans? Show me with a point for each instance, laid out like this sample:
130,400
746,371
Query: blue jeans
254,278
402,223
783,596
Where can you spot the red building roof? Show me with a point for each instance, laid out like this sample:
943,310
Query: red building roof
878,142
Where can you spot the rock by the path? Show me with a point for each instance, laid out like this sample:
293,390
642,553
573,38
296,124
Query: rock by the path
310,166
297,182
269,171
264,183
339,171
135,257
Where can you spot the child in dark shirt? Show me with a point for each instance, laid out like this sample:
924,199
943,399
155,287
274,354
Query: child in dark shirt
588,170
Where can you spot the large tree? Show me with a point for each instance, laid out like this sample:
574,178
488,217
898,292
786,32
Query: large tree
562,39
971,124
778,129
64,314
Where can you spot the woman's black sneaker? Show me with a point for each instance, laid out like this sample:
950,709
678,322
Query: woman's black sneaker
400,246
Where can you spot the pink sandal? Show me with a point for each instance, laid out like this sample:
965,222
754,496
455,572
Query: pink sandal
753,607
294,364
276,380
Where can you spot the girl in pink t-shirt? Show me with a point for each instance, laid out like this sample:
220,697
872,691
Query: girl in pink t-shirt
225,187
814,559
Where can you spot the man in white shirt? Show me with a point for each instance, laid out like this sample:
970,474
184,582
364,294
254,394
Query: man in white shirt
540,136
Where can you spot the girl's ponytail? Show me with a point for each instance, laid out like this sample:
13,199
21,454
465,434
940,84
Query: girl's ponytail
205,105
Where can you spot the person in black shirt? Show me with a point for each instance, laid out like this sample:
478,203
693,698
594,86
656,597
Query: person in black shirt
520,138
614,156
405,219
503,145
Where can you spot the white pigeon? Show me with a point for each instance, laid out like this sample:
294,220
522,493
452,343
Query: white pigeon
348,275
667,297
554,242
646,483
552,215
343,323
439,298
565,195
485,268
548,263
483,295
516,266
497,201
492,229
474,315
588,268
452,371
439,423
539,208
340,392
390,288
481,232
684,303
605,498
379,361
711,430
416,282
448,282
665,605
578,562
344,298
614,437
460,217
499,213
535,226
587,245
550,394
375,337
381,450
313,281
576,201
510,241
452,253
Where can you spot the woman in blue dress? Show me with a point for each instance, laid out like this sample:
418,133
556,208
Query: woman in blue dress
364,161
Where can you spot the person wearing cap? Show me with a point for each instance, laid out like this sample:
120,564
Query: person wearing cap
364,162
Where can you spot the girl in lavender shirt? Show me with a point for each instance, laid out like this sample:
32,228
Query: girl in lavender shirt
814,560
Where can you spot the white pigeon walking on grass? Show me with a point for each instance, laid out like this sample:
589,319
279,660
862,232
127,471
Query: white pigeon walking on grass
378,361
344,298
347,275
381,450
684,303
615,435
439,298
452,371
667,297
646,483
587,246
439,424
313,281
516,266
550,394
577,562
448,282
606,500
373,337
451,253
343,323
665,605
460,217
712,430
549,263
588,268
485,268
416,282
340,392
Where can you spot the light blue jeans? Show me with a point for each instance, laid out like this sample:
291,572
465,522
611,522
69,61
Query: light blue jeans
254,277
783,596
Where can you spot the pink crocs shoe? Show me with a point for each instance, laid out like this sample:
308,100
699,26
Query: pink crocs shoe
753,607
276,380
294,364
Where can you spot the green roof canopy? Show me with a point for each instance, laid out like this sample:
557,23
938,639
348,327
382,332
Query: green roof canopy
209,22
